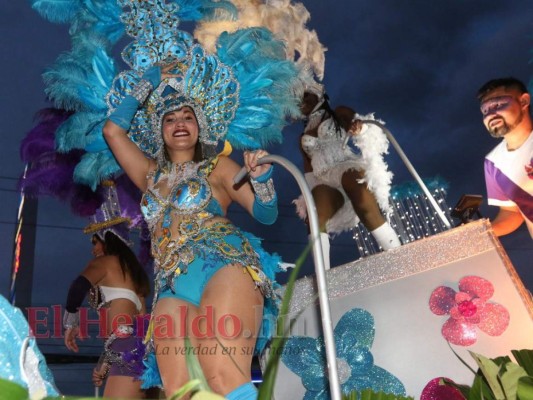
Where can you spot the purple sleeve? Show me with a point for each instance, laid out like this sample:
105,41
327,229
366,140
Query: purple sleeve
493,189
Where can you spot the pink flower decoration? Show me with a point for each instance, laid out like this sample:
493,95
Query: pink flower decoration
434,390
469,310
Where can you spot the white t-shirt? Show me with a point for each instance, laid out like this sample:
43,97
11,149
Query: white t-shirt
509,178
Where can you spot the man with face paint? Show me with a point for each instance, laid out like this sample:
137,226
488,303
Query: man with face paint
505,106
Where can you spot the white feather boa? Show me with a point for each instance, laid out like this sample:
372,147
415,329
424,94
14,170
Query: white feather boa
373,143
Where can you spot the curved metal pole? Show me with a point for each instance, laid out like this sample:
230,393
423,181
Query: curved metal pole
318,256
412,171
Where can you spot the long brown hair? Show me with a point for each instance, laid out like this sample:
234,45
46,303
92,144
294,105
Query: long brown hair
113,245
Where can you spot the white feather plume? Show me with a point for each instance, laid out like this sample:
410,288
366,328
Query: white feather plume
285,20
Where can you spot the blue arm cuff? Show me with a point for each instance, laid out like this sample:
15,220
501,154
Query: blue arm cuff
125,112
127,108
266,213
266,176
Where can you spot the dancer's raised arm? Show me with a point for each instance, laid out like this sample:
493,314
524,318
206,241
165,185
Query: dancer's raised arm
132,160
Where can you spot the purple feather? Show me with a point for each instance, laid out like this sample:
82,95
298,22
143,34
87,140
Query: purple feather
84,201
41,138
50,173
50,178
129,197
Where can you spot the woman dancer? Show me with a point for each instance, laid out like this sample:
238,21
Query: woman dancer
209,279
346,187
118,284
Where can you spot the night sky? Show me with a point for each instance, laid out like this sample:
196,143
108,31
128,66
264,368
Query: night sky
416,64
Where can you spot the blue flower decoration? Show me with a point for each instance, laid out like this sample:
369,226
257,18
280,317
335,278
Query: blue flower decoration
354,335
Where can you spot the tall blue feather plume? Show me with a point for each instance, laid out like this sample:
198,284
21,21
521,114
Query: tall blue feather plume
57,11
72,134
106,16
266,80
95,167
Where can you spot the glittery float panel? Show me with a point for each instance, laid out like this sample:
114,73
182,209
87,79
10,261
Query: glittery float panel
395,288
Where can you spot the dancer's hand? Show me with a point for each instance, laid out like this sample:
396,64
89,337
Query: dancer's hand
250,162
165,71
99,374
70,338
156,73
355,127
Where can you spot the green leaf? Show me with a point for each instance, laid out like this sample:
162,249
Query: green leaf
509,379
480,389
490,372
524,389
192,385
502,360
460,359
350,396
197,382
13,391
266,390
500,378
524,358
194,368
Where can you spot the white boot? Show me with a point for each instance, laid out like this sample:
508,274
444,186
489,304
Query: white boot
386,237
324,240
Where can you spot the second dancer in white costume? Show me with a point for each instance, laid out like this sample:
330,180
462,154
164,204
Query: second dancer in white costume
348,186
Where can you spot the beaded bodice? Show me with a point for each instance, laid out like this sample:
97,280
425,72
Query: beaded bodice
176,204
326,149
188,192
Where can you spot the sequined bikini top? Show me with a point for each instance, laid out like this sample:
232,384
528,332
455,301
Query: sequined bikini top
327,134
190,191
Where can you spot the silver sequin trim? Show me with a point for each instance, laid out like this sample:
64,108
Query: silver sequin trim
265,192
71,320
412,258
141,90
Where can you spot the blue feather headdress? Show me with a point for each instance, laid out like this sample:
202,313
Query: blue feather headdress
244,92
80,79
